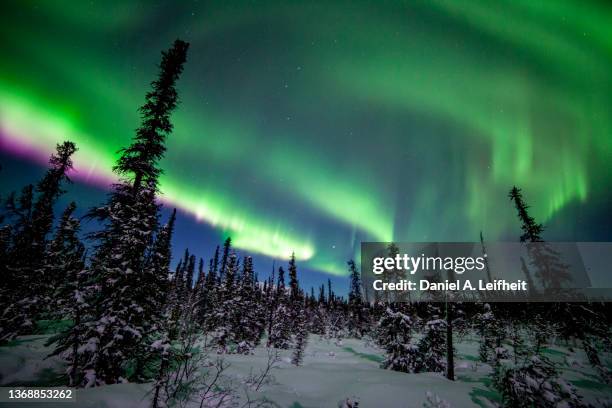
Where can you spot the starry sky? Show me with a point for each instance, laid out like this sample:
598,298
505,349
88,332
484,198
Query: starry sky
313,126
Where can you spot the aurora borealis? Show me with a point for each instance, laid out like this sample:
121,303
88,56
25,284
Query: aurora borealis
311,127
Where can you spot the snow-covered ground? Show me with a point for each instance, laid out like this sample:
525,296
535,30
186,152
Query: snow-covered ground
331,373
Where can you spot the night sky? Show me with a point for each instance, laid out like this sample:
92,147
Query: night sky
311,127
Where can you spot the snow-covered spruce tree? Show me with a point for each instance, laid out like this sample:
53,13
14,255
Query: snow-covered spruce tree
175,299
161,255
26,293
65,264
297,314
19,210
249,323
296,299
519,349
281,325
125,285
294,287
228,310
180,278
357,319
331,296
541,330
536,383
120,264
270,302
262,303
159,266
227,246
336,320
394,335
176,307
33,214
190,276
49,189
318,313
199,295
301,339
432,346
491,332
210,302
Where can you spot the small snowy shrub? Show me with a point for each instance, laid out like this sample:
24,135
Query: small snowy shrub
535,384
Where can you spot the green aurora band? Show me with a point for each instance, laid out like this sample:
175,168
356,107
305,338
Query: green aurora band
311,127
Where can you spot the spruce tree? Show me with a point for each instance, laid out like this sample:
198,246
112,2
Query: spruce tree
14,299
270,300
250,319
299,349
49,189
120,264
158,290
550,270
536,383
159,264
228,310
65,264
177,293
357,312
227,245
200,294
281,327
189,276
211,300
321,299
297,314
432,346
492,334
296,298
531,229
330,293
394,334
294,286
25,294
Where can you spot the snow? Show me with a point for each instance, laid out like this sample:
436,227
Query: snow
331,374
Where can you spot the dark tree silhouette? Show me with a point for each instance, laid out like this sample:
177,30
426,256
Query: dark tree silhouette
531,229
25,295
123,323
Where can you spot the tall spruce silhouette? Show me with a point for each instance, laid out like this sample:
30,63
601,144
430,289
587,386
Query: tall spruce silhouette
25,296
531,229
356,320
64,265
139,161
550,270
124,282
